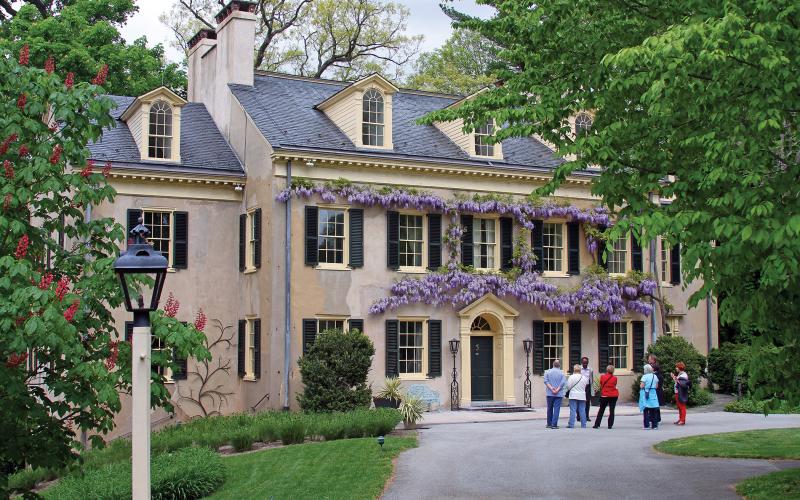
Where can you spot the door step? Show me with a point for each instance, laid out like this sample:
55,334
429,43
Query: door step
496,407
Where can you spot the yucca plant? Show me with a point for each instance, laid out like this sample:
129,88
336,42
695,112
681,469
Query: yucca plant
390,395
411,408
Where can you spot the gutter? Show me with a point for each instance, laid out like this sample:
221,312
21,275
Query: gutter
287,334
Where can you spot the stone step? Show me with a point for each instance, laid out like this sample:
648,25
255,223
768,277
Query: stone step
498,408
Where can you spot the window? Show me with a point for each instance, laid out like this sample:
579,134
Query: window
553,247
410,355
331,236
372,118
665,277
618,344
157,346
583,123
554,344
160,140
411,240
330,324
250,348
618,258
482,135
480,325
673,325
484,243
159,223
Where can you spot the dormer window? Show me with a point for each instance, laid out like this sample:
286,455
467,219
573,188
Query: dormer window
373,117
583,123
482,135
160,138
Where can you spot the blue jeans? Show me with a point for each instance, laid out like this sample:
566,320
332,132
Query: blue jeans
553,410
577,407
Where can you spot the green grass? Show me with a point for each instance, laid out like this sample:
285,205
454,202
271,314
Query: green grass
768,443
347,469
783,484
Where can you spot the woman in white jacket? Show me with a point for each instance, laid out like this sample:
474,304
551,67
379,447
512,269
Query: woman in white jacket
576,389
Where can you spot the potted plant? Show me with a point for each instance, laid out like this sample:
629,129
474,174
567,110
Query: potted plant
411,408
596,390
390,395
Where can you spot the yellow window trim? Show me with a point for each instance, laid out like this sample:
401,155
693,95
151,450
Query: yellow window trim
387,118
423,374
344,266
249,361
424,267
171,267
497,263
249,256
564,250
629,348
565,367
628,257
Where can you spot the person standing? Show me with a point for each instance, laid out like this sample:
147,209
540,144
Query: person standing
554,380
652,360
682,386
589,374
648,399
576,392
608,397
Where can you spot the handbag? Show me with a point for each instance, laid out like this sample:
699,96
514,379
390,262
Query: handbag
647,391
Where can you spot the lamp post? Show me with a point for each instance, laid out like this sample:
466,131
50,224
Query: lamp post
527,393
454,401
139,261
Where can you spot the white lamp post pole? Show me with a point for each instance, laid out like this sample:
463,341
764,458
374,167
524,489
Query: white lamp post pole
140,430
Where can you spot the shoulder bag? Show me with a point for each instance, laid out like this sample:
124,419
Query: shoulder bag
566,394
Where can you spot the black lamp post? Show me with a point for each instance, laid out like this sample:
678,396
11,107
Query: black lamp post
527,393
139,261
454,398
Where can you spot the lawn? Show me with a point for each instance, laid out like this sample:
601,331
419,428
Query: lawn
769,443
347,469
783,484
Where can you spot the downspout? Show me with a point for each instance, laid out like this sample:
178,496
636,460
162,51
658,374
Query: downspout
709,330
287,275
87,218
653,321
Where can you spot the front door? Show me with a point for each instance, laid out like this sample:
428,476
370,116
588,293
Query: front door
481,364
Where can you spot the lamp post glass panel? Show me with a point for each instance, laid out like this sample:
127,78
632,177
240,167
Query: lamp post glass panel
142,270
527,344
454,402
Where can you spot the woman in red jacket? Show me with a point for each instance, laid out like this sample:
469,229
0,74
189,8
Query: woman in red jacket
608,397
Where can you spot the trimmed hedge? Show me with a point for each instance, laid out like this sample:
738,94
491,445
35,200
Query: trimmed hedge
746,405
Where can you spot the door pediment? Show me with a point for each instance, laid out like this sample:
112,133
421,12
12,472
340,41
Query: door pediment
489,303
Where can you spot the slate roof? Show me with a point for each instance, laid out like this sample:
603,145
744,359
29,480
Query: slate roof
282,107
202,145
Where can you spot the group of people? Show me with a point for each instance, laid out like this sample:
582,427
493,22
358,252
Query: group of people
578,388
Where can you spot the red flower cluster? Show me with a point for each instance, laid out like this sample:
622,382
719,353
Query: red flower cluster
107,169
24,150
172,306
25,55
200,321
88,169
100,79
62,287
69,314
49,65
22,247
4,147
21,100
16,359
9,167
111,361
56,156
7,201
46,281
70,80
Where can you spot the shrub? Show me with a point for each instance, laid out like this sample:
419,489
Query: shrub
243,440
411,408
725,363
27,479
266,431
335,371
701,397
747,405
293,431
669,349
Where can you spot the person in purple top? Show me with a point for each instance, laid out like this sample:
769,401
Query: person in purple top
554,380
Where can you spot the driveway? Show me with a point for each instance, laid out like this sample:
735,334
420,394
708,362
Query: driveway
521,459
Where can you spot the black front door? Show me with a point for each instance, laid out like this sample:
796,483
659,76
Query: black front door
481,364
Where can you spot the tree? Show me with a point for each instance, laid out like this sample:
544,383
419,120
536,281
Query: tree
84,36
61,367
693,102
461,66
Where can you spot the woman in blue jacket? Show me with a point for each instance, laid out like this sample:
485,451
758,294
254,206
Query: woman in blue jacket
648,398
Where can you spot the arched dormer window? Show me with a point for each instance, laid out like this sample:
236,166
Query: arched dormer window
482,134
372,118
159,143
583,123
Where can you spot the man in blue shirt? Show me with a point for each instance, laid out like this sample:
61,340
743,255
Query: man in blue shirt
554,381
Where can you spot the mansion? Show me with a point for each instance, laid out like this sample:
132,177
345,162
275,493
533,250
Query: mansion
414,234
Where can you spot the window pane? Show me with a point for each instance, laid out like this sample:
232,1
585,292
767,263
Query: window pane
410,347
372,118
617,259
664,261
484,241
553,343
159,143
482,134
330,240
159,225
330,324
618,344
411,240
552,246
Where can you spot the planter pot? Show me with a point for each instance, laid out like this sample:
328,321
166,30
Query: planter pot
386,403
409,425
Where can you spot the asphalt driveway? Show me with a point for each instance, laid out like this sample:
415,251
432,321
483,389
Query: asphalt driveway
500,460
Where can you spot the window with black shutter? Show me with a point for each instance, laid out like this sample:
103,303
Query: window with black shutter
256,238
538,347
393,240
602,345
434,241
434,348
675,265
537,244
181,242
257,348
506,243
574,342
309,333
134,216
637,256
312,224
241,348
356,237
242,242
467,248
392,341
179,373
573,248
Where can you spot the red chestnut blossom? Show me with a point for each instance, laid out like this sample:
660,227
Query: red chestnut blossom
7,201
49,65
69,314
56,156
100,79
70,80
107,169
6,143
22,247
9,167
24,55
21,100
46,281
88,169
200,321
16,359
172,306
111,361
62,287
24,150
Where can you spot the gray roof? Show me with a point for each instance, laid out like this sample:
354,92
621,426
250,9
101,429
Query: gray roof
283,108
202,146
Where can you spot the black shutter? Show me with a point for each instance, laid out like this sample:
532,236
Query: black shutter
129,331
357,324
180,258
257,345
356,237
392,341
312,256
538,347
240,348
638,345
434,348
392,240
602,346
506,242
467,250
637,258
134,215
675,265
434,241
574,342
242,241
309,333
180,371
573,248
537,245
257,238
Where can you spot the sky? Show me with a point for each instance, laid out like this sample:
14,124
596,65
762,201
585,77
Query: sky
426,19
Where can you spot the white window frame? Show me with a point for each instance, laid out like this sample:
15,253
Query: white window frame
627,261
250,254
421,375
249,349
664,255
167,138
564,249
345,240
171,245
628,347
325,317
480,140
381,126
564,347
586,129
475,244
674,324
166,371
422,268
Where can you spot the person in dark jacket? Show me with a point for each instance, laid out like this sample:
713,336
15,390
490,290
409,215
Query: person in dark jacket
608,397
652,360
